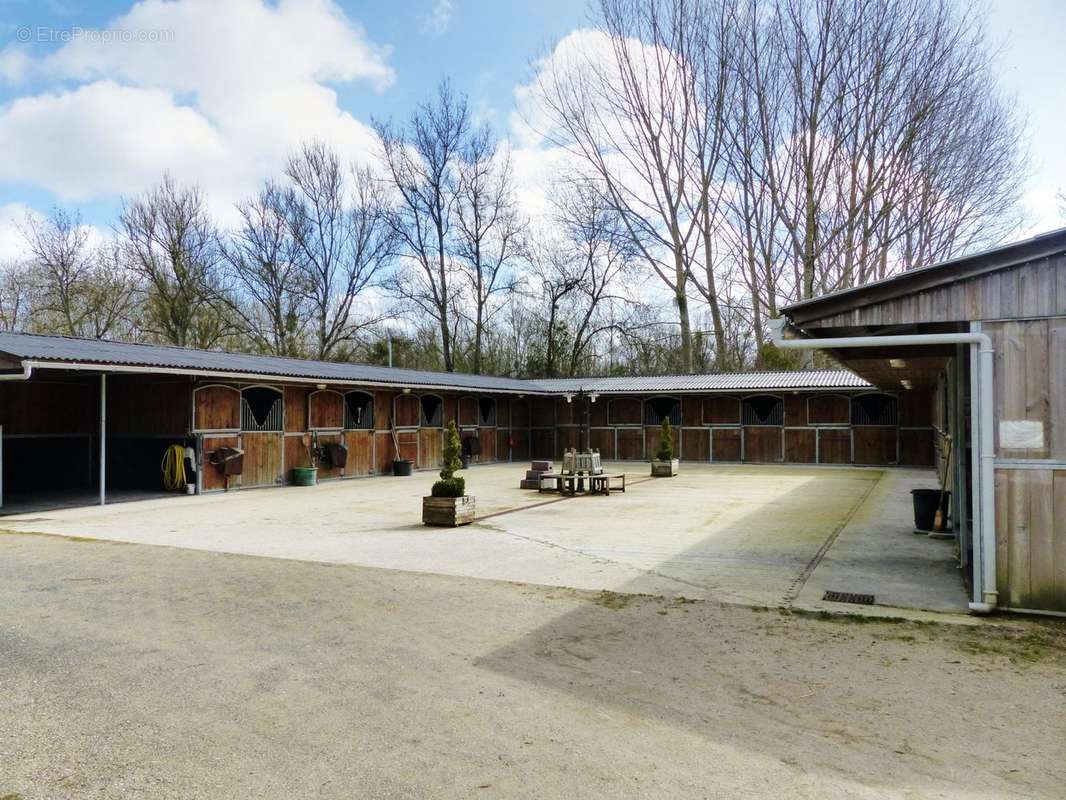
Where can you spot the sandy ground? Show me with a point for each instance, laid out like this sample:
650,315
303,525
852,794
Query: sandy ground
748,534
151,672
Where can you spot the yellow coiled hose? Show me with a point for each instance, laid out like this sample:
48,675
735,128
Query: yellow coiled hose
174,468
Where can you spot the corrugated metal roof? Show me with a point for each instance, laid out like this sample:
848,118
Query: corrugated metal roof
93,351
721,382
67,350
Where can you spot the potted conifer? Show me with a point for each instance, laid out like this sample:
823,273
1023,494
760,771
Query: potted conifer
664,465
448,504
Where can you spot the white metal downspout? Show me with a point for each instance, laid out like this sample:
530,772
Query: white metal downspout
27,371
985,596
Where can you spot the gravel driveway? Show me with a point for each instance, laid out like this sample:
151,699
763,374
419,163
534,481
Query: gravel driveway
150,672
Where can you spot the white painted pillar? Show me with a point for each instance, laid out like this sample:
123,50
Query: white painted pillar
103,439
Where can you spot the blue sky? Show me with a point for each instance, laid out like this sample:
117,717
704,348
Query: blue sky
82,123
484,47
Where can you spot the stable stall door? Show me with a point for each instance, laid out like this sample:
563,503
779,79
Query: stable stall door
263,458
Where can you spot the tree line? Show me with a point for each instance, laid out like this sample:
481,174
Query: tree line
720,159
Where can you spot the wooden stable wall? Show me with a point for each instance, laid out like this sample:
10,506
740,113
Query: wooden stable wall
316,417
817,428
1030,398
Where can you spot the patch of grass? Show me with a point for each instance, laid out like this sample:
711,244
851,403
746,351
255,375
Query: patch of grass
11,796
613,600
1026,645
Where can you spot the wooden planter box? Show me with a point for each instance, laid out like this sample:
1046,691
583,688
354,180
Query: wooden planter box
450,512
664,469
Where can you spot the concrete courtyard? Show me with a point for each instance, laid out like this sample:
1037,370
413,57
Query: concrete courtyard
757,535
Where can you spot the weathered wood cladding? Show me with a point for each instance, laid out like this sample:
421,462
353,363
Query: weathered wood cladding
1030,482
816,427
1032,289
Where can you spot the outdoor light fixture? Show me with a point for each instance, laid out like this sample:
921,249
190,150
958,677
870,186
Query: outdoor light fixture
898,363
569,397
593,396
906,384
407,391
320,386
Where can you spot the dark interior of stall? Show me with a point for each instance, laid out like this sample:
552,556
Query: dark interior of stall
51,439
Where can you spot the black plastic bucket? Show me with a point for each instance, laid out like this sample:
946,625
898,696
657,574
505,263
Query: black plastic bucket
926,502
401,467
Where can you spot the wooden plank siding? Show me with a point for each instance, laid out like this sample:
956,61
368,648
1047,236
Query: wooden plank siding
1032,289
212,477
263,458
1030,387
817,428
216,408
360,446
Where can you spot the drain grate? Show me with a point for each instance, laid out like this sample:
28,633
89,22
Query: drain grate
849,597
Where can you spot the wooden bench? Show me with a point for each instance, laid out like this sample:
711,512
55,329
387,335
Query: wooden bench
602,484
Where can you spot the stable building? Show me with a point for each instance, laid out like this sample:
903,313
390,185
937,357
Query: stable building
89,420
986,335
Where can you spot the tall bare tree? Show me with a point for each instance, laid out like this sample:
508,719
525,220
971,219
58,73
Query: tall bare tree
603,253
170,241
628,116
488,230
268,273
422,164
343,242
81,287
16,296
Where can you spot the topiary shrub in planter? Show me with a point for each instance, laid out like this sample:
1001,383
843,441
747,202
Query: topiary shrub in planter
664,465
448,503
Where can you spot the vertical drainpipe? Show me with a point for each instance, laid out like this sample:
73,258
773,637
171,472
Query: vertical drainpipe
989,594
103,438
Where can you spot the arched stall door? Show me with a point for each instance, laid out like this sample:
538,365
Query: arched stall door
875,429
626,415
359,433
486,428
721,412
216,422
262,436
830,416
762,418
431,431
325,423
406,421
657,409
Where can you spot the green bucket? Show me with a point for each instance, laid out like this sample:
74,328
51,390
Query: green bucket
305,476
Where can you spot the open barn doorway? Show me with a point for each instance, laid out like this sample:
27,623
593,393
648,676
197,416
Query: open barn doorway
50,442
50,449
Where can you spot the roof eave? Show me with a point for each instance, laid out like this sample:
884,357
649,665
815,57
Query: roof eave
915,280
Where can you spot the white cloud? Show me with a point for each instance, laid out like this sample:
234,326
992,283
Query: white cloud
15,64
12,243
229,92
436,21
102,138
